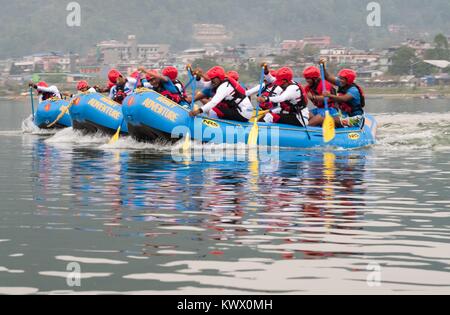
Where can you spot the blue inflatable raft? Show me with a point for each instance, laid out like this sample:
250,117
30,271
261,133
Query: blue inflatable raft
151,116
48,111
93,112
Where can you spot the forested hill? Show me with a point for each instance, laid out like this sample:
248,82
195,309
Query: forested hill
29,26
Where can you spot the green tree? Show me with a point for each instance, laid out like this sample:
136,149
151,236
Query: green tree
311,51
441,51
403,61
205,64
441,42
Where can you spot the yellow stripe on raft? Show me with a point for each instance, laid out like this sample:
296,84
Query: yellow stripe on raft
161,110
105,109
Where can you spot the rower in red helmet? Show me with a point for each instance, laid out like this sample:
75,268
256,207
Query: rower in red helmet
229,101
45,91
314,91
167,84
268,89
123,86
350,99
84,87
291,103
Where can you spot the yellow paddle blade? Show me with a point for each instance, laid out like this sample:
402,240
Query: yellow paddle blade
260,115
254,135
115,138
187,144
329,128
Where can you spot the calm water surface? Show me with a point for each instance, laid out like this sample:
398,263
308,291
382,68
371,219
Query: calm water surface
368,221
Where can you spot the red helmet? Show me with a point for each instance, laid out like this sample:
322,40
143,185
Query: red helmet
113,75
216,72
273,73
171,73
284,74
233,75
348,74
42,84
135,75
311,73
82,85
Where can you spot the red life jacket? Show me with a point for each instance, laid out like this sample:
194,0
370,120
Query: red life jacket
120,94
175,97
352,109
296,106
239,94
268,91
317,90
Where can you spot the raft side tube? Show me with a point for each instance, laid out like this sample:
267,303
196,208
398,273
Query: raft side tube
150,117
48,111
93,112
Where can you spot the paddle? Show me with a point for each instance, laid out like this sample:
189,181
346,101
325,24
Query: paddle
260,115
32,102
329,127
187,140
254,133
116,136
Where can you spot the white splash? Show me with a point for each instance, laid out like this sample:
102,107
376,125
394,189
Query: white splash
414,131
84,260
71,136
28,127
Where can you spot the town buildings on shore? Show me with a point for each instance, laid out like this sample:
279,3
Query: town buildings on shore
213,42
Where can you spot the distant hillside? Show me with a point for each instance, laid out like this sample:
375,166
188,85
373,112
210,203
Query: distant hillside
39,25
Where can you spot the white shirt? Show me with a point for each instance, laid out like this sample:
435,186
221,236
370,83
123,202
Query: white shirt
226,92
51,89
293,95
129,88
253,91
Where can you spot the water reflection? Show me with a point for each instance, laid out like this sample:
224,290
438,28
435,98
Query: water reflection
218,202
306,221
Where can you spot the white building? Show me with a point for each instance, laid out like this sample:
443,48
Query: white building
115,52
211,34
190,55
350,57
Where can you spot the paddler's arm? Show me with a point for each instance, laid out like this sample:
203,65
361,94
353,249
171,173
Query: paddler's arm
328,76
289,94
339,99
51,89
255,90
153,74
221,93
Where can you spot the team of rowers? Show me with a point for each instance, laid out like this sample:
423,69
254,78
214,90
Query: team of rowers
280,99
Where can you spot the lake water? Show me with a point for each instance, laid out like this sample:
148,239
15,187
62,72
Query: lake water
367,221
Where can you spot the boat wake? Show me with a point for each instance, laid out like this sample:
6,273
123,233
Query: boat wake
75,137
395,132
413,131
28,127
